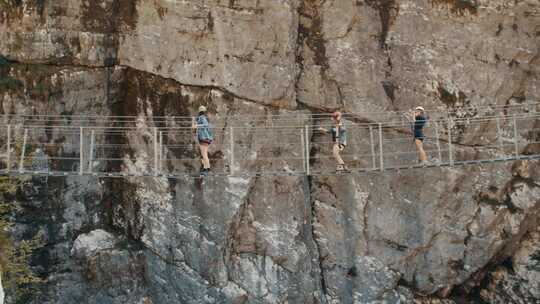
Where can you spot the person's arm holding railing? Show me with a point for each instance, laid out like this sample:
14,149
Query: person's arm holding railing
321,129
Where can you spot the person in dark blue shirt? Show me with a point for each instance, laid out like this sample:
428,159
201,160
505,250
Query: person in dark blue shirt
419,120
205,138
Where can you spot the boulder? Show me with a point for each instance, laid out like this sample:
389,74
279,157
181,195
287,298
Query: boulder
88,244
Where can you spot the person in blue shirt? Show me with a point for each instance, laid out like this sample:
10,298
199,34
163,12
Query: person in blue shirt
204,137
419,120
339,139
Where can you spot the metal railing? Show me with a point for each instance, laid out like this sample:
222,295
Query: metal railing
262,150
284,118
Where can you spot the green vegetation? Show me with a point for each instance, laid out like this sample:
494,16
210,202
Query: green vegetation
17,277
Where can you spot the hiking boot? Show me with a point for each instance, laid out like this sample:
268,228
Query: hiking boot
205,172
342,168
435,161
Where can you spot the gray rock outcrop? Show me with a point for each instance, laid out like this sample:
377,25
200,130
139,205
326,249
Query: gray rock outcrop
87,245
439,235
1,291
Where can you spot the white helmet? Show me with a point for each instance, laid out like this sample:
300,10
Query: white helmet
420,108
202,109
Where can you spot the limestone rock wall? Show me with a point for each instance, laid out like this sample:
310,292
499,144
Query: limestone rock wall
1,291
430,235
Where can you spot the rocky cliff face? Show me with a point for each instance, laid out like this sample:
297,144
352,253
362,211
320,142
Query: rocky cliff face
429,235
1,292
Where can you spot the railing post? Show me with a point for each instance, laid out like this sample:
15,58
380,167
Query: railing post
499,134
450,147
231,150
23,151
91,156
160,156
302,138
381,160
81,151
516,143
156,152
306,138
372,144
437,141
8,160
531,108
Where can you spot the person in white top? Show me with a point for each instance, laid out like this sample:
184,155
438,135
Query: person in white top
339,139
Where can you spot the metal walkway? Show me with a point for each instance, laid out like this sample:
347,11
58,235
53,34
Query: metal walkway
284,173
148,150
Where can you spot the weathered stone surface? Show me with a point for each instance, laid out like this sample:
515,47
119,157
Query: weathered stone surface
225,229
436,237
39,89
244,47
342,65
86,245
61,32
517,281
472,54
1,291
365,56
428,233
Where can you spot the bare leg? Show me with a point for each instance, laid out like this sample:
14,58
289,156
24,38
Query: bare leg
420,147
336,151
204,154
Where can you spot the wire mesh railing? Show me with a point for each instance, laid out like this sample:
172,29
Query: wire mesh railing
282,118
261,150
